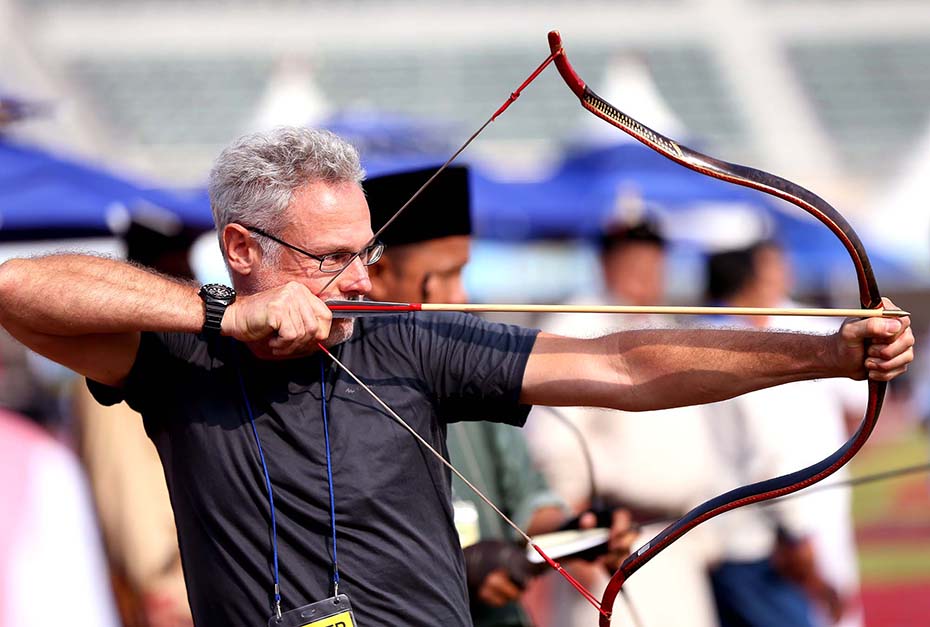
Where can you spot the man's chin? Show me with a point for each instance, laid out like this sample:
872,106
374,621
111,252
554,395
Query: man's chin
340,331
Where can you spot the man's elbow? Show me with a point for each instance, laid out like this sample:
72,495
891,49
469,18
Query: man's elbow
12,279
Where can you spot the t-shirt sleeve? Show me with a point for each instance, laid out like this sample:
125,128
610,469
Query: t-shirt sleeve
475,367
161,358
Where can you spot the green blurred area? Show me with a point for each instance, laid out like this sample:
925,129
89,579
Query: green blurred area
892,518
887,564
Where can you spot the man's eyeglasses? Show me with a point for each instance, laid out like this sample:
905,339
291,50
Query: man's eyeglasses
333,262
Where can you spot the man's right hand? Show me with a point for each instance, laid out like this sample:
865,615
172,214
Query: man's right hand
285,321
623,534
498,589
496,572
794,560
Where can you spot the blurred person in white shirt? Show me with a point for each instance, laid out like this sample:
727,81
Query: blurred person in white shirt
808,541
656,482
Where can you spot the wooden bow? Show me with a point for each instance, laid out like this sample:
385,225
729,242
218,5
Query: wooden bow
869,297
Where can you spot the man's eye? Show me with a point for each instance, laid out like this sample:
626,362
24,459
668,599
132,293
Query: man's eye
336,260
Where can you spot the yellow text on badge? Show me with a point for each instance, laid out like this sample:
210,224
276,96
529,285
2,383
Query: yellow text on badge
342,619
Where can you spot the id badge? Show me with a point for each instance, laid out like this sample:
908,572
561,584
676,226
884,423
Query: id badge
332,612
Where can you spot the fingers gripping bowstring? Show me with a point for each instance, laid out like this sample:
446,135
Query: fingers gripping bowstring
403,423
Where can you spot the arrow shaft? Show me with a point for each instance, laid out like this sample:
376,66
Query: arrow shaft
363,308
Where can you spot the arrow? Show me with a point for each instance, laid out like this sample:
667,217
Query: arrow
362,308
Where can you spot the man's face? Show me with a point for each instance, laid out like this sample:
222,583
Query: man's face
323,218
635,272
773,276
428,272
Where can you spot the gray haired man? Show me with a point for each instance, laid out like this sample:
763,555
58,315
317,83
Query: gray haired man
245,411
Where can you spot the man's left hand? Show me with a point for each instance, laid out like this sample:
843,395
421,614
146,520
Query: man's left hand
622,536
879,349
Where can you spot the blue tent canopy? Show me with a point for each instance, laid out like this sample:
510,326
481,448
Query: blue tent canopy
379,133
582,196
43,196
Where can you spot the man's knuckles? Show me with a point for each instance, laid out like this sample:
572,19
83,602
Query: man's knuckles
905,346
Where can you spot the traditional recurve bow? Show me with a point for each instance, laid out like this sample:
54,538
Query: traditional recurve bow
869,297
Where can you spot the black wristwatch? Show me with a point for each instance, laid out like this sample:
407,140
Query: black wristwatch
216,298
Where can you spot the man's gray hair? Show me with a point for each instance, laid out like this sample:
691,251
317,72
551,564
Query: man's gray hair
254,178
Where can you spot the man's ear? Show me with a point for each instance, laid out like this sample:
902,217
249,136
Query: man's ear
243,254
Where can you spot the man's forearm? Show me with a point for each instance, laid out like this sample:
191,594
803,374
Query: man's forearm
71,295
671,368
657,369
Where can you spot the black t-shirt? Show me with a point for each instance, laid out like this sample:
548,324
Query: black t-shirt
399,556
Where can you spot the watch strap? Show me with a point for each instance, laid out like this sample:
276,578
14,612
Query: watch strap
216,298
213,317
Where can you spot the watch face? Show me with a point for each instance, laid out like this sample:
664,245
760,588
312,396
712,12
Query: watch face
215,291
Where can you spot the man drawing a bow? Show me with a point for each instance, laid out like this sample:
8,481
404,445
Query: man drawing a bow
242,405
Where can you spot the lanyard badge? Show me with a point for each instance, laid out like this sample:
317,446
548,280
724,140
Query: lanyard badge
335,611
332,612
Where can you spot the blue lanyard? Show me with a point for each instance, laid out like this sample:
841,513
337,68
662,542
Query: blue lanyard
274,524
329,476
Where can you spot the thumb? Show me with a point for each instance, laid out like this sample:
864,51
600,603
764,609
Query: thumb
855,331
588,520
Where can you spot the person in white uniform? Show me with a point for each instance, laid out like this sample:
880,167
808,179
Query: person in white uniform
809,540
655,482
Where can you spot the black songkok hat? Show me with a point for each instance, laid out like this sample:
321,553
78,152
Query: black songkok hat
646,230
442,210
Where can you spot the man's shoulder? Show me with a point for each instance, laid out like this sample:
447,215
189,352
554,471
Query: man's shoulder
404,325
163,359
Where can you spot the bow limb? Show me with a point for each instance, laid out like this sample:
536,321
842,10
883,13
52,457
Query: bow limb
868,295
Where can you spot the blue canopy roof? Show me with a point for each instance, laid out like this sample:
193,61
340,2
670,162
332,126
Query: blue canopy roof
46,196
583,194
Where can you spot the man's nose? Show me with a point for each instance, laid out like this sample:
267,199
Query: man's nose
355,278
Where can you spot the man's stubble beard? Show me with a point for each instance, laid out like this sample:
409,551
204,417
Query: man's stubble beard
340,331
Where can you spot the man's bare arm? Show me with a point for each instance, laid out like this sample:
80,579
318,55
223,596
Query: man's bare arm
86,312
657,369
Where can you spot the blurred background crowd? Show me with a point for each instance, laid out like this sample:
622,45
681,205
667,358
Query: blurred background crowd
111,112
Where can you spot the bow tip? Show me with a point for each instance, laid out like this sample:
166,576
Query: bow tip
555,41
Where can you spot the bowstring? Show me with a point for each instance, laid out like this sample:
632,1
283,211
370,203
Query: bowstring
510,100
513,97
403,423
